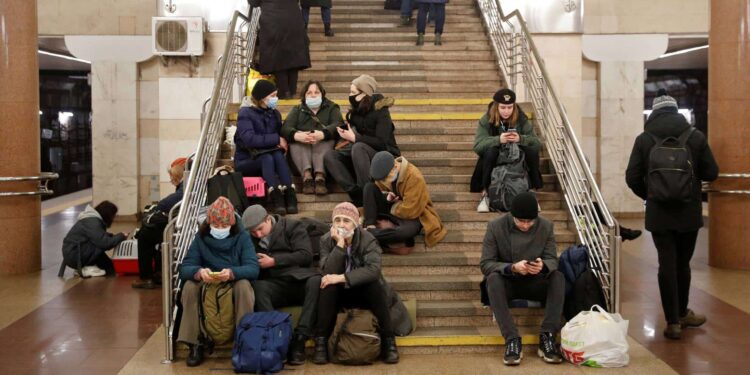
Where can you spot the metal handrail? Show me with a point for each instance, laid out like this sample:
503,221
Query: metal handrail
517,55
238,52
44,179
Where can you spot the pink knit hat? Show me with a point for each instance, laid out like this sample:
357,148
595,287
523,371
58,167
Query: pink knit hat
346,210
221,212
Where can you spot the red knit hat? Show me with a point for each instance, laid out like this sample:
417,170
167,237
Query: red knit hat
347,210
221,212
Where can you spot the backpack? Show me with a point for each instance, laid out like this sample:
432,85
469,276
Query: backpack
229,185
315,229
217,312
509,178
261,342
670,169
573,262
586,293
355,339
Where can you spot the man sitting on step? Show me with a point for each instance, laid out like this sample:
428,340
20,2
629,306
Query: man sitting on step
398,204
286,278
519,261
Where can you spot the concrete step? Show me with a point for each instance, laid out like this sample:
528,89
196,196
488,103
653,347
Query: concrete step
437,197
390,88
431,55
310,204
399,35
470,313
380,3
356,67
397,46
333,79
377,27
377,9
463,340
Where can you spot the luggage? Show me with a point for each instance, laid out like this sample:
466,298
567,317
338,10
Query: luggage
355,339
217,312
509,178
261,342
230,185
582,287
670,176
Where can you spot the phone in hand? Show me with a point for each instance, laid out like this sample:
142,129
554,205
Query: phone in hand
514,130
214,274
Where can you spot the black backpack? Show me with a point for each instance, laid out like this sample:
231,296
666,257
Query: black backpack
509,178
229,185
670,169
315,229
586,292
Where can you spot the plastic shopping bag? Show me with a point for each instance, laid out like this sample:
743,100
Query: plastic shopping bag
596,338
253,76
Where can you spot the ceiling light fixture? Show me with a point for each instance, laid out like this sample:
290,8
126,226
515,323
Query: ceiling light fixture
63,57
682,51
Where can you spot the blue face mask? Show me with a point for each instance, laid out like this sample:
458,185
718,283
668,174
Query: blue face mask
272,101
219,233
314,102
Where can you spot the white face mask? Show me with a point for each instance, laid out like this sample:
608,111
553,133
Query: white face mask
220,233
343,232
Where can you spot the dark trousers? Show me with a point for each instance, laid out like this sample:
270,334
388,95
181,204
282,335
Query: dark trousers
286,83
531,155
351,169
271,166
438,15
273,294
149,259
104,262
369,296
325,14
549,288
377,207
406,8
675,251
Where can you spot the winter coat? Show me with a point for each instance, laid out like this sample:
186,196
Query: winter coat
301,118
283,42
505,244
257,129
375,127
415,202
683,216
289,246
88,239
366,261
488,136
316,3
235,252
166,204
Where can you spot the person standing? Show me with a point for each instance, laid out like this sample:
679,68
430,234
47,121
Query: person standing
437,10
325,13
673,224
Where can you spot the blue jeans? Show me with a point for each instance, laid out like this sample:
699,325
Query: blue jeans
325,13
271,166
406,8
437,11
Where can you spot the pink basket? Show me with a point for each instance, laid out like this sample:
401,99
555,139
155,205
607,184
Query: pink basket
254,186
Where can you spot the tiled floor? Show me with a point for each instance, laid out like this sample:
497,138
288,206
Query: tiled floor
54,326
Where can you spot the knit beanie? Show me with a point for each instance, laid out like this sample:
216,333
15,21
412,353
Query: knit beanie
346,210
381,165
262,89
221,213
524,206
504,96
663,100
253,216
366,84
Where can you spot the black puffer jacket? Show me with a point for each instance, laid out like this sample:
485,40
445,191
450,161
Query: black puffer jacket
374,126
283,43
88,238
660,217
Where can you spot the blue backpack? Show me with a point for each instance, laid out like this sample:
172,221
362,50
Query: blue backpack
261,342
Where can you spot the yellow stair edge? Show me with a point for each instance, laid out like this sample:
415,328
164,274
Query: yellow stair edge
467,340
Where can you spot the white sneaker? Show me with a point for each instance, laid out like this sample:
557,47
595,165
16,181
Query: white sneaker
484,205
92,271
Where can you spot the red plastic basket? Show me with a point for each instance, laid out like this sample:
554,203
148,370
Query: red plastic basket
254,187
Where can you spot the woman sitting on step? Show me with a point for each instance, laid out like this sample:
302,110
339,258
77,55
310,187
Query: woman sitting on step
504,122
367,130
260,146
310,129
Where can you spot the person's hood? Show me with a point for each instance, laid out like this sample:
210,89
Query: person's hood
382,101
246,102
665,122
89,212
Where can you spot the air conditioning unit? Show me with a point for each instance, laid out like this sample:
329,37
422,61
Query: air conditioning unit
177,36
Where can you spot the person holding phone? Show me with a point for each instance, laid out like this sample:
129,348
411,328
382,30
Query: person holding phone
519,261
221,252
503,123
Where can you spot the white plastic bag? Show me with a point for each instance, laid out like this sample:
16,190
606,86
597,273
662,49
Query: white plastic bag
596,338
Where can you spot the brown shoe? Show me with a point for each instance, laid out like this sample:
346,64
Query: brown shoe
320,185
143,284
308,186
673,331
691,319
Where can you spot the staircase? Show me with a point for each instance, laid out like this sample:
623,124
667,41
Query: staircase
441,92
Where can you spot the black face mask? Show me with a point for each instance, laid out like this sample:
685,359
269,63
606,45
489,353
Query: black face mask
353,101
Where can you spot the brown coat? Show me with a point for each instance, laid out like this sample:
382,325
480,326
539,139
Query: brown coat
416,202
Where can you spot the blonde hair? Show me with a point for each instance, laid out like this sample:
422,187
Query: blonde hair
176,173
495,118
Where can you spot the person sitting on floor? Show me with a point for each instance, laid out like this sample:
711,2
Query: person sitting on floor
519,261
399,196
85,244
221,252
151,234
350,261
286,278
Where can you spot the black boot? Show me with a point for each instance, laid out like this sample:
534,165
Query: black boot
320,356
628,234
327,28
297,350
388,350
277,200
195,358
290,196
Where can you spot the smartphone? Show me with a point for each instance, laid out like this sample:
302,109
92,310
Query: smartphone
214,274
514,130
